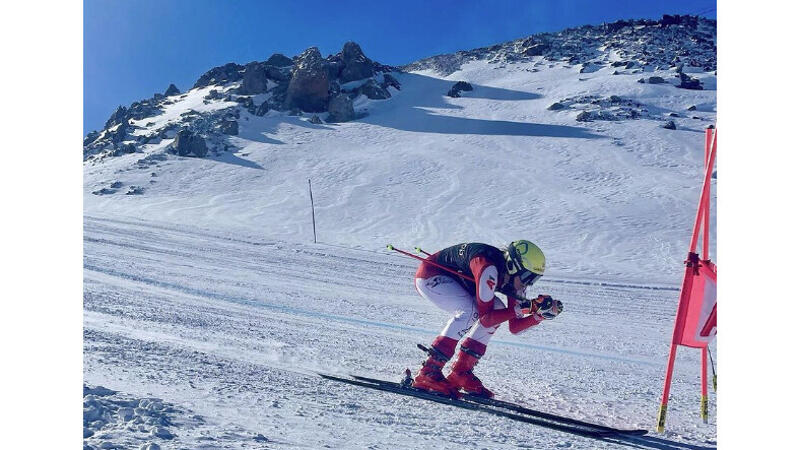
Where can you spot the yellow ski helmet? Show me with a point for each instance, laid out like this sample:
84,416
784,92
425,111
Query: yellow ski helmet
526,260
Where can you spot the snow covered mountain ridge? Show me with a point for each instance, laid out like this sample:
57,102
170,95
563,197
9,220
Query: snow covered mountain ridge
309,83
671,42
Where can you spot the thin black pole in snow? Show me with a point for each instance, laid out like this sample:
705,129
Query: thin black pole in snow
313,219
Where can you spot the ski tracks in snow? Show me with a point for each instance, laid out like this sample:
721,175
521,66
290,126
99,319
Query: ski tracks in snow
234,329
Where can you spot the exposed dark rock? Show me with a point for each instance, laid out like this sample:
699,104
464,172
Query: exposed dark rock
455,91
691,108
116,185
172,90
214,95
230,127
124,149
656,80
254,79
340,109
279,60
103,191
158,96
90,138
278,73
537,49
141,110
356,65
672,114
135,190
119,134
187,143
263,109
584,116
670,125
389,80
556,106
373,90
308,88
219,75
688,82
120,115
315,119
246,102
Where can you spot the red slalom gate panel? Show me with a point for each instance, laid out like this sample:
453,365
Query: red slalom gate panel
696,318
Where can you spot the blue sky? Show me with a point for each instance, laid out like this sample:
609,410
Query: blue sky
134,48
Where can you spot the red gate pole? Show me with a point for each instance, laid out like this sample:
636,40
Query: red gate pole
692,262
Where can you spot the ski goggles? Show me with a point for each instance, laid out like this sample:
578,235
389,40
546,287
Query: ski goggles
527,277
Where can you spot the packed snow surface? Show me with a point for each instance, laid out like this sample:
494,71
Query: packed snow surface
229,331
205,297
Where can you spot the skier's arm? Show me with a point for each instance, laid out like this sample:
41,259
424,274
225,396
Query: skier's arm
486,281
548,309
516,326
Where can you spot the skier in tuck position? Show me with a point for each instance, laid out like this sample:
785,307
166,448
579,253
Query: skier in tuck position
477,312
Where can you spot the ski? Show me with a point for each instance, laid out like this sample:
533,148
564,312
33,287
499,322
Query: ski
591,431
520,409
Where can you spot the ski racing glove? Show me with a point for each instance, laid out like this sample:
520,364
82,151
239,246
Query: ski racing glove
548,308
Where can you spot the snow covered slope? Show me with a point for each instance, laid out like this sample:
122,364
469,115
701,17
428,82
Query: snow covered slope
227,331
602,198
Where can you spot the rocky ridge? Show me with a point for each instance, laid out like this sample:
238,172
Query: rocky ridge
674,41
306,83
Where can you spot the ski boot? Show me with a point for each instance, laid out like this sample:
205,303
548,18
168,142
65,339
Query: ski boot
461,376
430,377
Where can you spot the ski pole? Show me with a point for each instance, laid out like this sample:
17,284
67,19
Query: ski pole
391,247
713,372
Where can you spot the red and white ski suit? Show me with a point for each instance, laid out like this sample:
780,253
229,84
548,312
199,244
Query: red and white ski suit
477,314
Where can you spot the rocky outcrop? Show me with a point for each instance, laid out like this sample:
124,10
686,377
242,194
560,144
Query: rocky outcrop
172,90
188,143
119,115
340,109
254,79
279,60
220,75
670,125
688,82
639,43
356,66
457,88
229,127
556,106
389,80
373,90
308,88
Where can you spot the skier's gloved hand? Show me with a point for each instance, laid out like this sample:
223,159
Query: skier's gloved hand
525,306
548,307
